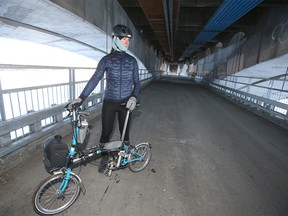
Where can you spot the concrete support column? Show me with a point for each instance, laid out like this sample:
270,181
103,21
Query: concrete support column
5,140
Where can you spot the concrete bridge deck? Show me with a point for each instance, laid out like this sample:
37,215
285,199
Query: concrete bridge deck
210,157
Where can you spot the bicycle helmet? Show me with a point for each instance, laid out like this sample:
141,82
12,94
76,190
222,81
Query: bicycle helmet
121,31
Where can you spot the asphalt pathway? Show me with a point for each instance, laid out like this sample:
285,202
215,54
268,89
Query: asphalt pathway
210,157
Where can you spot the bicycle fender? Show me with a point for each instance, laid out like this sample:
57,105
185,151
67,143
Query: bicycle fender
82,187
145,143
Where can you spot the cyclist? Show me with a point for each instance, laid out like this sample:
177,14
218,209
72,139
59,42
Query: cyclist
122,85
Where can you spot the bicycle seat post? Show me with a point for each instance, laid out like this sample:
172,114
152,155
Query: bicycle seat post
125,126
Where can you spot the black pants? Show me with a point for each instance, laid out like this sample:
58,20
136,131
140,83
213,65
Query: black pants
109,111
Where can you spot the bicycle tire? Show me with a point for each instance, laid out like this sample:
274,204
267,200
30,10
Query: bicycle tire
143,149
45,199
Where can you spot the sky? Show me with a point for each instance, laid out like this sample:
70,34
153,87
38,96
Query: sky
26,53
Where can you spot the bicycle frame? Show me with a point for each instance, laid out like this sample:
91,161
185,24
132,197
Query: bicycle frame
67,170
123,158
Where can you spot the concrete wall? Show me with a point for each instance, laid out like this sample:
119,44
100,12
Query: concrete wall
264,41
268,39
104,14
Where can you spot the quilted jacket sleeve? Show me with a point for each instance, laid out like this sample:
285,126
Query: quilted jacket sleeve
94,80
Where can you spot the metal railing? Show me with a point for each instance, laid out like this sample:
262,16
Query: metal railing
30,112
261,85
266,94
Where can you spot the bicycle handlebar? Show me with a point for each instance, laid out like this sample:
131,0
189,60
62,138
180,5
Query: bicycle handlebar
77,110
87,113
137,104
84,113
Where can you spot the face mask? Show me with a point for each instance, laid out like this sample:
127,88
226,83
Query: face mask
117,45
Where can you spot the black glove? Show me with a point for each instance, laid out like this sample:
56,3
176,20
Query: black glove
75,104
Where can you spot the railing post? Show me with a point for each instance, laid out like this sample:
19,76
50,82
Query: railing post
2,110
72,83
283,84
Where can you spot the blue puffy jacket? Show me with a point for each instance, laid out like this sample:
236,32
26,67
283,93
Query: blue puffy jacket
122,77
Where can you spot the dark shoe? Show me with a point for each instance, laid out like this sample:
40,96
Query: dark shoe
130,146
103,164
101,145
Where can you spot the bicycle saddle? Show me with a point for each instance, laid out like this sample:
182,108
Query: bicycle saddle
113,145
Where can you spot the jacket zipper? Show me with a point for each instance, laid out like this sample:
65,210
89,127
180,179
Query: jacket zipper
120,95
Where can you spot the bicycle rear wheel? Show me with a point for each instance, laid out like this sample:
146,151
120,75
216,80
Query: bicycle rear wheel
141,155
48,200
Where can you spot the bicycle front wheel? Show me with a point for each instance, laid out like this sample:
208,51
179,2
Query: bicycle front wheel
140,157
48,200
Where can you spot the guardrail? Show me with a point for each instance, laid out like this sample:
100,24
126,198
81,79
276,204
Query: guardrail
31,112
271,107
265,95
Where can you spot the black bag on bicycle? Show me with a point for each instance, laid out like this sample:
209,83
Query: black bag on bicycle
54,153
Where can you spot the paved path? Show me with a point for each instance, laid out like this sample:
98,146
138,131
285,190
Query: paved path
210,157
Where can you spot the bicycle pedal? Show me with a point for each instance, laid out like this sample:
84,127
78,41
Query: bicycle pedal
108,173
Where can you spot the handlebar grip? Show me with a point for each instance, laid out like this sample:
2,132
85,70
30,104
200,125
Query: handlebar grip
85,113
137,104
74,109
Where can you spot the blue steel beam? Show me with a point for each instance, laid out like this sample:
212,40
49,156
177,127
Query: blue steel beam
228,13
